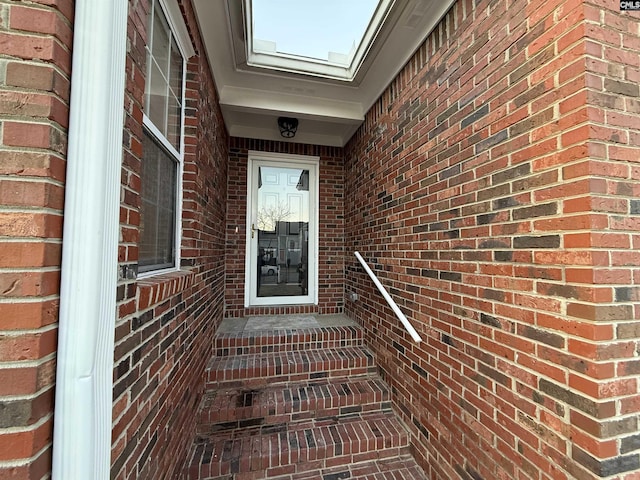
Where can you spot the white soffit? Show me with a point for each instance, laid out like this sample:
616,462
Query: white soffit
253,97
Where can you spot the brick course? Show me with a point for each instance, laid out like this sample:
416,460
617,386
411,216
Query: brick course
34,100
501,166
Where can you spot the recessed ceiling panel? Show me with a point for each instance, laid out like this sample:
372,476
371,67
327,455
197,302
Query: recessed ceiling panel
328,93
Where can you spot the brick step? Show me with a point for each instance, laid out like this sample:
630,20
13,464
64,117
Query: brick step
400,468
304,446
397,468
286,340
296,404
254,370
224,409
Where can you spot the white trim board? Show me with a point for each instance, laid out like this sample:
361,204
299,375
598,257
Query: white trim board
89,273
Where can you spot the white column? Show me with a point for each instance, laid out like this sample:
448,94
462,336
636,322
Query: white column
83,409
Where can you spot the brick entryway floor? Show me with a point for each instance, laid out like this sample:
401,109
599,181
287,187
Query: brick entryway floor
297,397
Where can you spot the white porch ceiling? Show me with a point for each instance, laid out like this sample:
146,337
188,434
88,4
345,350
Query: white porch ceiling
329,111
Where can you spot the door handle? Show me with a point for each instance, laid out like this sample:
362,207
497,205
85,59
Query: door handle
253,230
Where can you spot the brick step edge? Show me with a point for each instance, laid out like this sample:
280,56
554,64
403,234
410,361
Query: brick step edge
226,409
395,468
253,342
262,369
280,450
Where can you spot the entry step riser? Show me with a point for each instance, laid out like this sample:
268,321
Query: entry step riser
248,343
403,467
225,409
252,371
267,451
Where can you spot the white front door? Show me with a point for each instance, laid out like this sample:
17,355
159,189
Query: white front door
282,230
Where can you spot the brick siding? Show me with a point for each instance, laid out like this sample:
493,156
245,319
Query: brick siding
499,207
35,64
493,188
331,228
166,323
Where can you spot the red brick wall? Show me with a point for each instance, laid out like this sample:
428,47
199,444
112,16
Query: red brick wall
331,228
35,65
166,323
502,164
612,283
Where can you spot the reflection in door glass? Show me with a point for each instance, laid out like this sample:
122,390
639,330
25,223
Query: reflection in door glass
283,232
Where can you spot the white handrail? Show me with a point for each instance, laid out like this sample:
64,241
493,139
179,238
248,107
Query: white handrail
401,316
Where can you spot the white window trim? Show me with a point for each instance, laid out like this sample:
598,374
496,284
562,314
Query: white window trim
159,136
172,13
178,27
314,204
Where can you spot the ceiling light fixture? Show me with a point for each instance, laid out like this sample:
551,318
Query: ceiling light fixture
287,126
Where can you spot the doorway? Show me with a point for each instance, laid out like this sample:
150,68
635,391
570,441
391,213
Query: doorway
282,223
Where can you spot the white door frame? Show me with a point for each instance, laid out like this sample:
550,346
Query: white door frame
312,164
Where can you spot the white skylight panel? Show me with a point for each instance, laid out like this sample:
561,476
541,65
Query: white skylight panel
328,38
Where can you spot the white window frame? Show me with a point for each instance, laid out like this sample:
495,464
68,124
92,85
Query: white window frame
172,13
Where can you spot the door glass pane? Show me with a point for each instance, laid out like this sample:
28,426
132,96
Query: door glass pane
283,232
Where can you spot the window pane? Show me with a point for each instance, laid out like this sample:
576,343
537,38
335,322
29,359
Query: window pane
174,110
158,213
174,125
283,232
160,40
175,73
312,29
157,99
165,67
